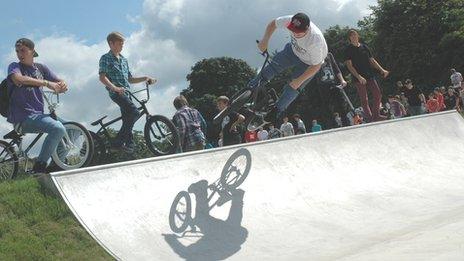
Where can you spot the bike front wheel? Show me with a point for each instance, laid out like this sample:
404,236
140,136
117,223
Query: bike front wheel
76,149
236,169
161,135
180,214
8,162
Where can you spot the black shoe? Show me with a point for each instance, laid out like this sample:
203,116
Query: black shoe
39,168
271,115
115,147
128,148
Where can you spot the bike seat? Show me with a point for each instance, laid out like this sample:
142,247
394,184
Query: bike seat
99,121
13,135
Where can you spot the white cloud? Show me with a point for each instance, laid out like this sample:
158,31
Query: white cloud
174,35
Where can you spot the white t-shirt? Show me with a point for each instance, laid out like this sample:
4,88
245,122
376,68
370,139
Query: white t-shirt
287,129
263,135
456,79
312,48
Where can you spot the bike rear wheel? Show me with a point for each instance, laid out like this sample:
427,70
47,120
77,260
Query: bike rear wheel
161,135
8,162
76,152
180,215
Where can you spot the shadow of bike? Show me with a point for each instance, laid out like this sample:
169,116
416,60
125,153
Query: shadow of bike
214,238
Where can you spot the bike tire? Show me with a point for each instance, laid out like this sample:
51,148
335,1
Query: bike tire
173,213
10,171
61,156
228,167
163,142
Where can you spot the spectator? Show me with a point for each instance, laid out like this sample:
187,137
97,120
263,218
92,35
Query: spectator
230,133
358,119
300,126
251,136
287,128
416,98
404,101
432,104
440,99
262,134
338,120
316,127
451,99
456,79
397,109
399,86
362,66
274,133
190,124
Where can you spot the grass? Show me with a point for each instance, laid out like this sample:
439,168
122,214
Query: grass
35,225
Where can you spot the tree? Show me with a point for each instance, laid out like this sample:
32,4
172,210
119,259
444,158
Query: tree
213,77
418,39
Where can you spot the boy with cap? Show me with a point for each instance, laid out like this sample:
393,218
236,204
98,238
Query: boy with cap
305,52
116,76
25,81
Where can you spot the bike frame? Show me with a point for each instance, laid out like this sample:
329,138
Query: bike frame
143,109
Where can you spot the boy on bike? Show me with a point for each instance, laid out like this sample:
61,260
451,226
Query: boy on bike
116,76
305,53
26,111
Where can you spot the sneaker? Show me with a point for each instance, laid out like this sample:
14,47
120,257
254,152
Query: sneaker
39,168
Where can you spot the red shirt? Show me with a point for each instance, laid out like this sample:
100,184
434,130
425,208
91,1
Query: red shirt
441,101
251,136
433,105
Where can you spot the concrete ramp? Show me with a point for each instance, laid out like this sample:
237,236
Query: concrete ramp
384,191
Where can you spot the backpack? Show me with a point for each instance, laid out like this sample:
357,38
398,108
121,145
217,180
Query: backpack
4,98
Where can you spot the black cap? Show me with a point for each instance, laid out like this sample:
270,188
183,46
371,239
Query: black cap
300,23
28,43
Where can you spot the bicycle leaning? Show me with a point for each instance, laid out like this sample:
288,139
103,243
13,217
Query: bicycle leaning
74,151
160,133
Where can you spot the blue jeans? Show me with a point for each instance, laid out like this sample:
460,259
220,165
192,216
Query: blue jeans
130,115
45,124
281,61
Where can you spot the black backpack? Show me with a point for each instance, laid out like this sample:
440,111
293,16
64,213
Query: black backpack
4,99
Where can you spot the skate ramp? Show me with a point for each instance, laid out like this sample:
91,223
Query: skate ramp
385,191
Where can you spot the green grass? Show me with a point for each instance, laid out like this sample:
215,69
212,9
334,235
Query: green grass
35,225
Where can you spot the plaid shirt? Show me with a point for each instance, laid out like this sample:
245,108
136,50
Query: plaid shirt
191,126
116,70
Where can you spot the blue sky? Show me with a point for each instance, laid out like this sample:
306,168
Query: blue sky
86,19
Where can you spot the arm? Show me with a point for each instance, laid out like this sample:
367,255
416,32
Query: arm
21,80
422,98
180,124
354,72
110,85
133,80
377,66
310,72
270,29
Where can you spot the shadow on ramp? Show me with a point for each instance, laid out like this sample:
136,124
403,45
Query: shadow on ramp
202,236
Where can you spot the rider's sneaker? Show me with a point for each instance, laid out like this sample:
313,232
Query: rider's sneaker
39,168
115,147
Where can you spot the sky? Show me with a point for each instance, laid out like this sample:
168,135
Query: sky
164,39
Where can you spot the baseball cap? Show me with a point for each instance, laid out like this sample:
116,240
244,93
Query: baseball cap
299,23
28,43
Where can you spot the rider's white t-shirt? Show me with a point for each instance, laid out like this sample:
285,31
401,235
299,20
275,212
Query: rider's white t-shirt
312,48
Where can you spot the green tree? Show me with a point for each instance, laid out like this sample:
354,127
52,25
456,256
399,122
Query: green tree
418,39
